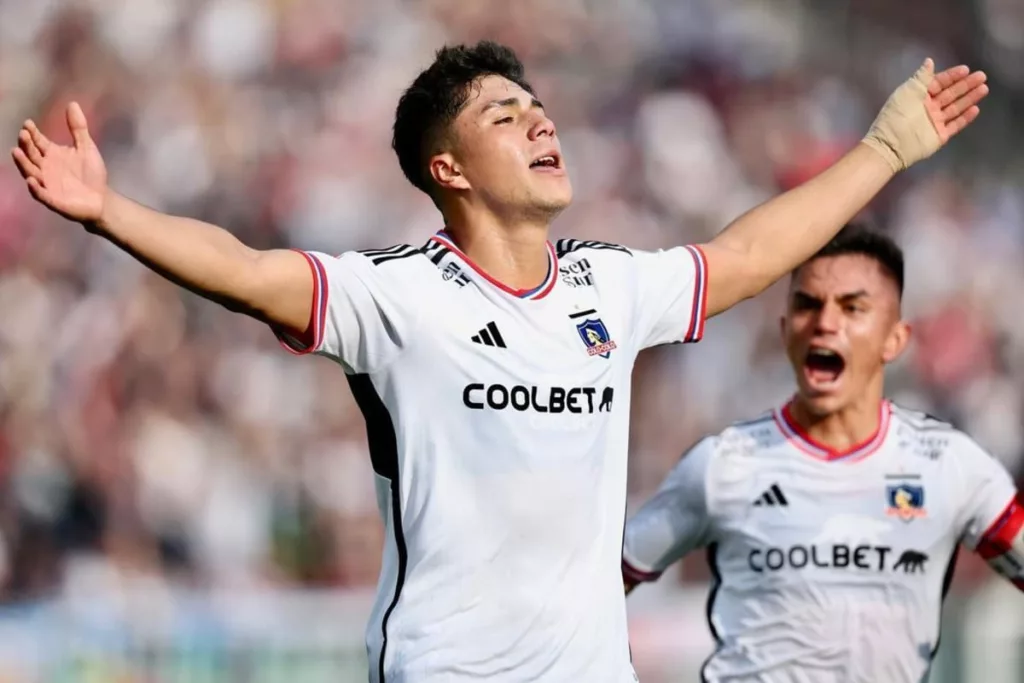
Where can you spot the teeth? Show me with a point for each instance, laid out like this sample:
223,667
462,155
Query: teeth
823,352
544,161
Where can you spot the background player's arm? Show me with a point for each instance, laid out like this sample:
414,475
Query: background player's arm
273,286
1002,545
769,241
672,523
992,515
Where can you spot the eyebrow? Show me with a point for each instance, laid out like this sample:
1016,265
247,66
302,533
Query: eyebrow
850,296
511,102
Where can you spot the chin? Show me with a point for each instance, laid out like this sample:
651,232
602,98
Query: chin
550,207
823,404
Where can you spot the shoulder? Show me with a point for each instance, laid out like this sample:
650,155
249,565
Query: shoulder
740,439
918,420
572,249
935,439
398,266
745,437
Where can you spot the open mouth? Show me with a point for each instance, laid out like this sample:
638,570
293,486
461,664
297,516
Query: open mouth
548,161
823,365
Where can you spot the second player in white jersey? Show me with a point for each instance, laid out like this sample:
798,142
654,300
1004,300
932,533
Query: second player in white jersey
498,423
832,553
831,563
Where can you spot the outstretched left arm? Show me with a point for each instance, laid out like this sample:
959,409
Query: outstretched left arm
772,239
1002,545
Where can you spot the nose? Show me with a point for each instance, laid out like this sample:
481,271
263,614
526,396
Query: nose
828,319
542,126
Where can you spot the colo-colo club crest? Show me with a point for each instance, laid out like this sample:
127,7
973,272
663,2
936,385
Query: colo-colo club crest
593,333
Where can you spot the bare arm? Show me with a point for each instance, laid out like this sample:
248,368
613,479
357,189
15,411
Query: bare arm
275,286
272,286
772,239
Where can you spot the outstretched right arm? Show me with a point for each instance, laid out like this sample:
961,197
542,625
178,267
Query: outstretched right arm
273,286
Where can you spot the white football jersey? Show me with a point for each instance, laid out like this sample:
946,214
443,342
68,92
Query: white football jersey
828,567
498,423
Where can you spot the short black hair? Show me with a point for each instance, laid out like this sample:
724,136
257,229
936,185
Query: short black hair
856,238
439,93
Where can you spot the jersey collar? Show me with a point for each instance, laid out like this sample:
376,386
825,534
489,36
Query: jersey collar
534,293
796,435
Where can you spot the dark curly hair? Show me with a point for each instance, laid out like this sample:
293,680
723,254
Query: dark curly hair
428,107
866,241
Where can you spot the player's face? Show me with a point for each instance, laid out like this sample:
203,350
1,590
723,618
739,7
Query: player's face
842,326
505,150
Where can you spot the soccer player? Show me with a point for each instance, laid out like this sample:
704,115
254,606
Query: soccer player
832,523
492,366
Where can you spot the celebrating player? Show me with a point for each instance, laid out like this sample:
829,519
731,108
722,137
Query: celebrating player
832,524
496,394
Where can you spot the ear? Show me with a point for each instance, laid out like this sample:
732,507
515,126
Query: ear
447,173
896,342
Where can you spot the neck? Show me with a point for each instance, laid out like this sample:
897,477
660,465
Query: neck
843,429
513,252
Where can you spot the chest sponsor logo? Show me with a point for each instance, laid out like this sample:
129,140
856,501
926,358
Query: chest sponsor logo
904,497
866,558
521,398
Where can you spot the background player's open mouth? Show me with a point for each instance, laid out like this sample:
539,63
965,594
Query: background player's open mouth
823,366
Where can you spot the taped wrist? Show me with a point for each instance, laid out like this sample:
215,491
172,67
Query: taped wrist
903,133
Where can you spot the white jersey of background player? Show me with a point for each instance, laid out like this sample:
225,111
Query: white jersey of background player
493,372
832,523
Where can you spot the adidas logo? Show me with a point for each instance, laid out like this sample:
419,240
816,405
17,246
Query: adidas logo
489,336
772,497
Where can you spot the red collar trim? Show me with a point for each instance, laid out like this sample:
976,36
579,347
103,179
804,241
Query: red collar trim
796,435
533,293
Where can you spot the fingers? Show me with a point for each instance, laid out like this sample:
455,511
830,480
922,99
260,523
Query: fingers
964,103
78,126
959,123
960,88
946,78
25,165
41,141
28,146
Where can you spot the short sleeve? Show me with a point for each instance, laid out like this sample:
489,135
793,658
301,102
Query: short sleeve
361,316
673,522
672,287
987,491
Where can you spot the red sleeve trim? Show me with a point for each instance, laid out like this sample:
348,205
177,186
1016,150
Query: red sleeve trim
313,336
1000,536
699,310
633,575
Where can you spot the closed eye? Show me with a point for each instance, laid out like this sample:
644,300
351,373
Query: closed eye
507,119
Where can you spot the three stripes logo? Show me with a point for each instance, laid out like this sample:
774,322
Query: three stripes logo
489,336
399,251
773,496
567,246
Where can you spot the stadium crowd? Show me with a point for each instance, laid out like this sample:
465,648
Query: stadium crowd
147,436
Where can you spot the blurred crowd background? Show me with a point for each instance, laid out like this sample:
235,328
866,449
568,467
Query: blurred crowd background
153,444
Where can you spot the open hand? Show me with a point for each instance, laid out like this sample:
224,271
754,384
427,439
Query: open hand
953,100
71,180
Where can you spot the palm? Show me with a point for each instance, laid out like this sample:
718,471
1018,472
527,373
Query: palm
69,179
953,98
